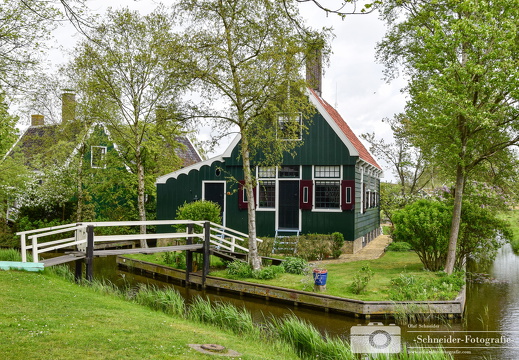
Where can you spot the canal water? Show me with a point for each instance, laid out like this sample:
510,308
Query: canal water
489,329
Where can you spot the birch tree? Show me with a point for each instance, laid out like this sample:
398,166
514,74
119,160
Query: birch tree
461,58
247,59
123,70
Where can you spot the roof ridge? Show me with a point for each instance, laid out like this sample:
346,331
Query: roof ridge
364,154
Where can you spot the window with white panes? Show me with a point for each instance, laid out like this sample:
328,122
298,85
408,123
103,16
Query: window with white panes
327,188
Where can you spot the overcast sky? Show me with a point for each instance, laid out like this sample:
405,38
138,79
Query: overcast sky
353,82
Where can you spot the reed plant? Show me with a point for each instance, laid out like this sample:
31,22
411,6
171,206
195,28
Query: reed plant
103,286
222,315
62,271
307,341
167,300
414,314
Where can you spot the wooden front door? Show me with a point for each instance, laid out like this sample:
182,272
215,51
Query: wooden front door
215,192
288,209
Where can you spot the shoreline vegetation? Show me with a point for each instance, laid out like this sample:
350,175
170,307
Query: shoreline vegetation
396,276
512,217
48,316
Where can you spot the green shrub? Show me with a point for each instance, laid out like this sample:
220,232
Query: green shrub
408,287
239,269
295,265
315,246
175,259
309,246
400,246
202,210
338,242
268,272
361,279
425,224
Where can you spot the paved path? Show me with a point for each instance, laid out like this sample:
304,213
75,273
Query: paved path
373,250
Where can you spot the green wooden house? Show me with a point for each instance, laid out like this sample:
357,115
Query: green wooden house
331,185
94,148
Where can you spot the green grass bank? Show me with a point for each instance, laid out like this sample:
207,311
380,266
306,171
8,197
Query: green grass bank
46,317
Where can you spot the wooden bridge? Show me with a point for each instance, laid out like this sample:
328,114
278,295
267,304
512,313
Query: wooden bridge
83,245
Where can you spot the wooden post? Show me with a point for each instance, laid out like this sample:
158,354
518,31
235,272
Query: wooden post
23,248
90,253
189,254
35,248
207,238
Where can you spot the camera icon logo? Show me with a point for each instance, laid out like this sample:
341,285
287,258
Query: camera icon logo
375,338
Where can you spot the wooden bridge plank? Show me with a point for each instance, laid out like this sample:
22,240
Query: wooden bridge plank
148,250
58,260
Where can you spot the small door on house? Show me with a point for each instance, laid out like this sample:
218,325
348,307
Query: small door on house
215,192
288,208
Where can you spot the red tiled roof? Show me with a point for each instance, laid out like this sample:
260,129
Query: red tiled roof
364,154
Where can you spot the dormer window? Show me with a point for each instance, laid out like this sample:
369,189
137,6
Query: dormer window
97,157
290,128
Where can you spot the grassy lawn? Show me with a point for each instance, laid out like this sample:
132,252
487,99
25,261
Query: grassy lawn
46,317
512,217
341,275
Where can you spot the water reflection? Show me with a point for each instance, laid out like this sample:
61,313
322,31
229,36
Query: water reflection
492,311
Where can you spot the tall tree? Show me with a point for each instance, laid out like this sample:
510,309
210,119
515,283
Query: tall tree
411,170
12,170
124,72
247,59
406,161
22,35
461,57
343,7
25,26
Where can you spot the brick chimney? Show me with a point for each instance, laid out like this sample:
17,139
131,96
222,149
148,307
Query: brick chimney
37,120
314,70
68,106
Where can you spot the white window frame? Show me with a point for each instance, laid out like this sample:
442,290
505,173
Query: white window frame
283,119
315,179
103,156
269,173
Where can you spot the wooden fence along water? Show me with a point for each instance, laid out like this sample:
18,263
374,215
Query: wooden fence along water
81,238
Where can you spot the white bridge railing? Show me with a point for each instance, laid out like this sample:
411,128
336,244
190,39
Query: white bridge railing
75,235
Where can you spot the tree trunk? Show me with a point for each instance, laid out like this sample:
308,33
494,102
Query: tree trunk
141,196
79,184
254,259
456,220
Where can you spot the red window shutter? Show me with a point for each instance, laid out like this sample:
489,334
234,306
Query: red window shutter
348,194
305,194
243,203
